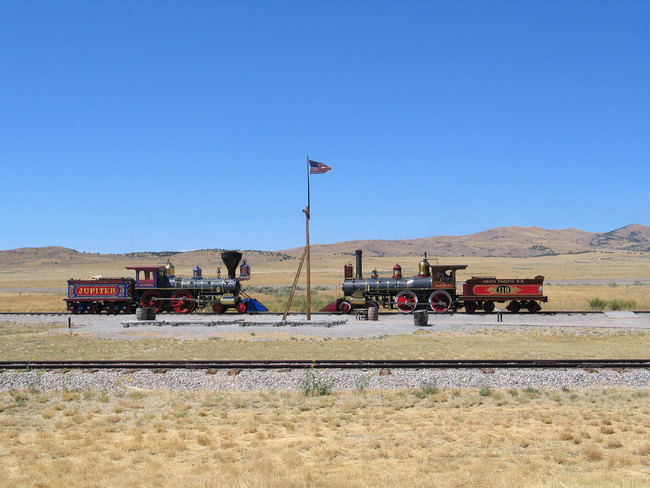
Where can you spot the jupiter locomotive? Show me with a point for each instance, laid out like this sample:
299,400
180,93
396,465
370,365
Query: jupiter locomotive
160,288
434,287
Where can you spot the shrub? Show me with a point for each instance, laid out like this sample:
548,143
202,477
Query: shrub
427,389
593,453
485,391
597,304
616,304
622,304
363,382
315,383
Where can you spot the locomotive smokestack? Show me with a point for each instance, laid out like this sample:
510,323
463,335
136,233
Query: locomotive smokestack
231,260
359,270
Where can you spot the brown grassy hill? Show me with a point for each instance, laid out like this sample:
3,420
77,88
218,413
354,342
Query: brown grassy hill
63,256
499,242
633,237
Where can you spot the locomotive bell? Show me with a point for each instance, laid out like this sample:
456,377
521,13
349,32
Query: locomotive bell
423,267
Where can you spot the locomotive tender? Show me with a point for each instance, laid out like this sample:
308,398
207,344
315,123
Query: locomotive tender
435,287
158,287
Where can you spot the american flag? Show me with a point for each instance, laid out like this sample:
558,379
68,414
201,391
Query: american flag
316,168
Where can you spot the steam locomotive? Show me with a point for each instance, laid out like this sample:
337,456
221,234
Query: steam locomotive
435,287
158,287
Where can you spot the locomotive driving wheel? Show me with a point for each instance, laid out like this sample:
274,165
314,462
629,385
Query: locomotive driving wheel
151,299
182,302
440,301
345,307
406,301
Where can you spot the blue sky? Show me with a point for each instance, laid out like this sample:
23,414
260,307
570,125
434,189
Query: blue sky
177,125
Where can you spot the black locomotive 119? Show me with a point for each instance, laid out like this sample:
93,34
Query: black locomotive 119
434,287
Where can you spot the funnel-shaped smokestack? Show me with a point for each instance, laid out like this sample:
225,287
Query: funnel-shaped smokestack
359,270
231,260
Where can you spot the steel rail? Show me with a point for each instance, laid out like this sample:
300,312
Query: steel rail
385,313
335,363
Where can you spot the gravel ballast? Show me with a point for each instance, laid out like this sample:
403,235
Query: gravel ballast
276,380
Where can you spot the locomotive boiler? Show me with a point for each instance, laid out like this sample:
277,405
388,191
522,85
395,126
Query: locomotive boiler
434,287
160,288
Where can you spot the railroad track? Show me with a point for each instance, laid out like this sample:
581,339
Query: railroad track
328,364
272,314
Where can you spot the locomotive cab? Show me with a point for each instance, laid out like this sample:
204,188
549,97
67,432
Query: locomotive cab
443,277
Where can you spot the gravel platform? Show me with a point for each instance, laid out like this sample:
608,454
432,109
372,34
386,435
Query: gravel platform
333,326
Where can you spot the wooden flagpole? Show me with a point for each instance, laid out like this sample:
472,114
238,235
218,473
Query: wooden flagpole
307,216
305,254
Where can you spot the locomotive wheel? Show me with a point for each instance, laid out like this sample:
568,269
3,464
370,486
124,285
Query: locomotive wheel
241,307
514,307
182,302
406,301
533,306
345,307
440,301
108,306
151,299
218,308
488,307
470,307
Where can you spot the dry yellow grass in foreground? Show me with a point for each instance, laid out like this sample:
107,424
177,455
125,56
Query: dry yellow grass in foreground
409,438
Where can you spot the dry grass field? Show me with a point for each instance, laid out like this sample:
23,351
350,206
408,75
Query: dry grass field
409,438
41,286
55,342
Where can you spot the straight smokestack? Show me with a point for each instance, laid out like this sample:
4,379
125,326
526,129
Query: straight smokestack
358,252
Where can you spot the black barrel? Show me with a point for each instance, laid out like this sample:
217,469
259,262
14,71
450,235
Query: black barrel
421,317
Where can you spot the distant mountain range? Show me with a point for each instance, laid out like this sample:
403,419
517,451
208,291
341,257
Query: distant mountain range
498,242
501,242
